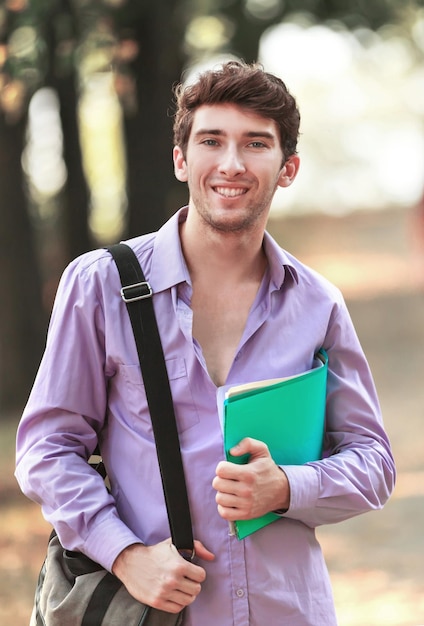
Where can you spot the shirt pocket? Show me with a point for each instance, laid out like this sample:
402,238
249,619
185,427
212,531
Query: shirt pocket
184,407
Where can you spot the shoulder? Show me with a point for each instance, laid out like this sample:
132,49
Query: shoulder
306,280
310,279
99,262
94,274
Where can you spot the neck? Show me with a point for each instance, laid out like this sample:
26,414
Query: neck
223,256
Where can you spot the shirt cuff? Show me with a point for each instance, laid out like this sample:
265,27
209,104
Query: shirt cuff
107,540
304,487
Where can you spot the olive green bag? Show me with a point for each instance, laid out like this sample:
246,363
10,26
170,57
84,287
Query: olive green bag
72,590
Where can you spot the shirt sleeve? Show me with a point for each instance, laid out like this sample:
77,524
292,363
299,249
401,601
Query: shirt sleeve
357,472
65,412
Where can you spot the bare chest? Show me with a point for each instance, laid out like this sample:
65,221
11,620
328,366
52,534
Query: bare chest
219,320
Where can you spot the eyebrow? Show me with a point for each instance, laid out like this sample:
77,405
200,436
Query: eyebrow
250,134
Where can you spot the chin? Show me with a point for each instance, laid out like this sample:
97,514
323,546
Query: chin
231,224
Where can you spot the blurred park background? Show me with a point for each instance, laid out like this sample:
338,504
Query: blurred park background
85,160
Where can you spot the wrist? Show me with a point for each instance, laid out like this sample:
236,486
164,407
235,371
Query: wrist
120,563
283,503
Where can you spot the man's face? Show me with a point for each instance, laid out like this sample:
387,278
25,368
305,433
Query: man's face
233,166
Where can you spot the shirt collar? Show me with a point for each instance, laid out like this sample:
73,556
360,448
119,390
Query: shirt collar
167,245
279,262
168,264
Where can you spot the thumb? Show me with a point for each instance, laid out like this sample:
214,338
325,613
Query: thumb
251,447
202,552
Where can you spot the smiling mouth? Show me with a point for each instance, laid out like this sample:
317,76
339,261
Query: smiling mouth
230,192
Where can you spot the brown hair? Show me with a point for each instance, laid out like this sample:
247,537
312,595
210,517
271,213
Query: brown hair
246,85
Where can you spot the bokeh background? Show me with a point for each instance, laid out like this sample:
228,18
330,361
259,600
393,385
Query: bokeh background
85,160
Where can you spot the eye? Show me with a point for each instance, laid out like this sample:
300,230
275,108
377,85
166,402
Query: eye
257,144
210,142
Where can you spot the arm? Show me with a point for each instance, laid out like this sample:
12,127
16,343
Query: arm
64,414
357,471
58,432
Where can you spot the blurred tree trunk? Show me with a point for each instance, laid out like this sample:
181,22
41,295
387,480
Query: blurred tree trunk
153,192
248,30
22,321
75,195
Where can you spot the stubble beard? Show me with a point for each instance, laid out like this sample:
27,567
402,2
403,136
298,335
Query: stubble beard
231,223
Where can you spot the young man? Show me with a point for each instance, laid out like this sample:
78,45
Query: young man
232,307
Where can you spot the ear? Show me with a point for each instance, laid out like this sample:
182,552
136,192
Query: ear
289,171
180,166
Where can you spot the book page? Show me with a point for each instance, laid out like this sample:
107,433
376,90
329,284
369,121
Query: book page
259,384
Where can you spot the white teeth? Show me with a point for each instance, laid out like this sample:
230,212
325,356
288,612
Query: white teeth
230,192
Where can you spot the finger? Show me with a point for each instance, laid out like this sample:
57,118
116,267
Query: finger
175,605
176,597
231,513
185,568
180,584
226,500
234,505
178,600
188,588
227,471
191,571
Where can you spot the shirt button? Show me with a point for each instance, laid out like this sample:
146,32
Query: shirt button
239,593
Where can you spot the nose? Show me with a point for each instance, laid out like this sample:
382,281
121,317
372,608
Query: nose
232,162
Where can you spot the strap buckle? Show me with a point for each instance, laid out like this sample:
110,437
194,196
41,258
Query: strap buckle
137,291
187,553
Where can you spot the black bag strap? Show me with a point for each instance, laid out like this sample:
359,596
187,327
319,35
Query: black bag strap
137,295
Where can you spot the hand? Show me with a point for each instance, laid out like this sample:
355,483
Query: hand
251,490
159,576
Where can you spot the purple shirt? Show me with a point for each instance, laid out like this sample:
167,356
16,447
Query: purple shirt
89,381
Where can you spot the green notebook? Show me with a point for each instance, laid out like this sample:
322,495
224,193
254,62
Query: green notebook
287,414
